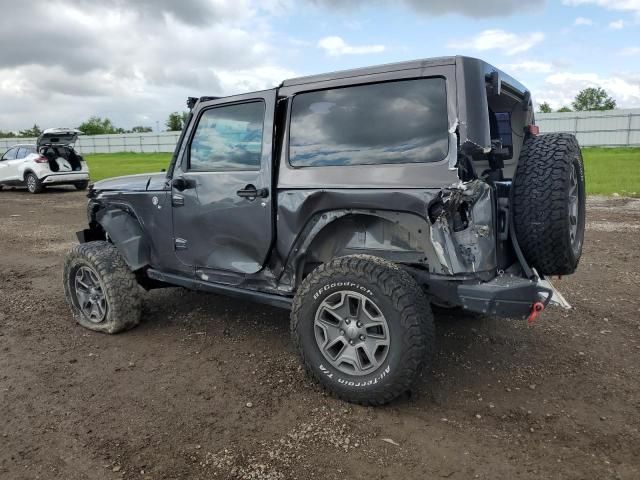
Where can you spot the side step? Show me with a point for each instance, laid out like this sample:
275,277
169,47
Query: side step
279,301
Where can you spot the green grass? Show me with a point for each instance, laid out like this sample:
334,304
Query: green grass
106,165
612,170
608,170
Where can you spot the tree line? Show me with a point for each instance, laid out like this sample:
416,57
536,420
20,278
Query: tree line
100,126
589,99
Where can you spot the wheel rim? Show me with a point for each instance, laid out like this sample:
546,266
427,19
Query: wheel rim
574,206
31,183
352,333
92,301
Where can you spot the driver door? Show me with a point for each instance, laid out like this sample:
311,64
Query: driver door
8,167
221,188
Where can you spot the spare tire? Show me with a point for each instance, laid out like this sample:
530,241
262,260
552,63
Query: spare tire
549,203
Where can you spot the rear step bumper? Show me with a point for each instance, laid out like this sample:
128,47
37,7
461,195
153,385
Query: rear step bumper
508,296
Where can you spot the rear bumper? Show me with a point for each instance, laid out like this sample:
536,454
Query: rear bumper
503,296
509,296
65,178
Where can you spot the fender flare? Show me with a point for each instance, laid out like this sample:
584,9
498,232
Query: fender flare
126,233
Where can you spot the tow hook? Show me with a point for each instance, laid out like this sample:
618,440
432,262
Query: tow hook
536,310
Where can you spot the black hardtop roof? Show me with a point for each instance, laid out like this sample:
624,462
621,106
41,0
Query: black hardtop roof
356,72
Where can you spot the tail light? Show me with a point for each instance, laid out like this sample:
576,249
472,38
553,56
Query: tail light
41,159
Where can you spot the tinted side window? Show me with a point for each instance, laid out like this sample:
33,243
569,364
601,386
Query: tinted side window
394,122
23,152
10,154
228,138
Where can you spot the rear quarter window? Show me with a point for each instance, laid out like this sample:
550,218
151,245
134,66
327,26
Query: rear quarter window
385,123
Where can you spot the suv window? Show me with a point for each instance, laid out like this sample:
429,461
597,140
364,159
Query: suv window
395,122
228,138
10,154
23,152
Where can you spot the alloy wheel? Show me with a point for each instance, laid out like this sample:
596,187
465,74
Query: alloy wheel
352,333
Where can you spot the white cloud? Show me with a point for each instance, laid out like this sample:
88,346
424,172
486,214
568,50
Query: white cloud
507,42
621,5
582,21
560,89
629,51
617,25
528,66
131,61
336,46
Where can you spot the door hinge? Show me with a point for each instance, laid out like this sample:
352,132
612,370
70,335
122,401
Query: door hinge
180,244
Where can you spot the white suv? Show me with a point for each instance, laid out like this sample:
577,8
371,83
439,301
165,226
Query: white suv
52,161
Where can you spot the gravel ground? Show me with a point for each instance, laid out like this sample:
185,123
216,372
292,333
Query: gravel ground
209,387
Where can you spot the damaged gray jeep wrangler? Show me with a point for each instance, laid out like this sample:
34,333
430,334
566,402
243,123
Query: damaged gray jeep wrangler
356,199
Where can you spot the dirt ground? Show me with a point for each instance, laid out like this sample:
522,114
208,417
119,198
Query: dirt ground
209,387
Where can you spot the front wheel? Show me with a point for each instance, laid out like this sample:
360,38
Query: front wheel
81,185
363,328
101,290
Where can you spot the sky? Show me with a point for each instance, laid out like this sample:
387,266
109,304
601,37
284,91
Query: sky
135,61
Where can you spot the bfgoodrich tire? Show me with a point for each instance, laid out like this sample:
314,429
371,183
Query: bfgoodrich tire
549,203
101,290
363,328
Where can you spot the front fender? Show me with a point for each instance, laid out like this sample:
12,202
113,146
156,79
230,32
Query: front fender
126,233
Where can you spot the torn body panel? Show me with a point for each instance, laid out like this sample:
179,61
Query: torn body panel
462,230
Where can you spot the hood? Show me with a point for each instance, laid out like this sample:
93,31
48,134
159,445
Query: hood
132,183
58,136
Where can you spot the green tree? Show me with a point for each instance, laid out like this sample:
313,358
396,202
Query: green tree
564,109
98,126
593,98
544,107
141,129
34,131
176,120
7,134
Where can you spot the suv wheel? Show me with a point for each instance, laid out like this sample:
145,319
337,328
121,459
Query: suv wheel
81,185
100,289
34,185
363,328
549,203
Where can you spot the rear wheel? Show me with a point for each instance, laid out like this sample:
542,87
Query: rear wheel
363,328
34,185
101,290
81,185
549,203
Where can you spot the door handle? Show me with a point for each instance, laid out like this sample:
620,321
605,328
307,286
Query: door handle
182,183
250,191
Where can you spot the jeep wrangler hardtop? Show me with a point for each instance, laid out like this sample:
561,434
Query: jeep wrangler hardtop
356,199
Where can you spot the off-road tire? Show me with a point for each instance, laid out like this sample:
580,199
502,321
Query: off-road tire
81,185
116,279
541,206
405,308
33,183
